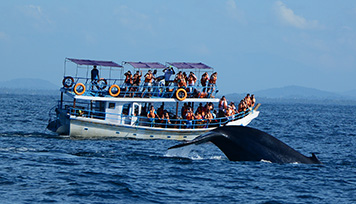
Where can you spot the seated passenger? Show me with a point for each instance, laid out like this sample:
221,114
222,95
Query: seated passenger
189,117
199,109
152,115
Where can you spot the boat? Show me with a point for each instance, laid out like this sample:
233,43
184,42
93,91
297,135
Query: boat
110,106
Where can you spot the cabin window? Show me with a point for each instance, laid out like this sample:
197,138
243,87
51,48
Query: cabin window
126,109
112,105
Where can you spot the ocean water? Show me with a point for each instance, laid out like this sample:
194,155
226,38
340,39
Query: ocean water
38,166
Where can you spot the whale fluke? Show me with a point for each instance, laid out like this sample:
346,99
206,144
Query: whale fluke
241,143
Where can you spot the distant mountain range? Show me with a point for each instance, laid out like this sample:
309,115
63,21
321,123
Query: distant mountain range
29,84
298,93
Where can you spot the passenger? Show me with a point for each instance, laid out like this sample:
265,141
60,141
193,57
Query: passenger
253,100
166,116
161,111
128,80
182,83
232,104
199,109
248,100
222,106
212,83
229,113
191,81
189,117
215,113
136,80
185,76
168,72
242,106
177,78
148,83
184,110
208,117
204,81
94,76
152,115
199,119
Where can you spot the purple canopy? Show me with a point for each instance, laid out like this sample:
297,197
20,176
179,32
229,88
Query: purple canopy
187,65
147,65
95,62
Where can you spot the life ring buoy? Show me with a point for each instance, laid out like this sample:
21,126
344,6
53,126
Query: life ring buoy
78,92
113,94
181,94
102,84
68,81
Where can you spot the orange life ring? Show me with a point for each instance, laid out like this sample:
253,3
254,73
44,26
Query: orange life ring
68,81
114,94
79,92
179,92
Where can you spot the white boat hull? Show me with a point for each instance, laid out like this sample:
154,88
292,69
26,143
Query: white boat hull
96,128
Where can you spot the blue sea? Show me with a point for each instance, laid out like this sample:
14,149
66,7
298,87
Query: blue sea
36,166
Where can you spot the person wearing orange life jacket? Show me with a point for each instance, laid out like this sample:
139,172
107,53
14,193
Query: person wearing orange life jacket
189,117
222,106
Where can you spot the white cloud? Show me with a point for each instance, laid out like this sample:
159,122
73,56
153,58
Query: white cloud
39,18
288,17
234,12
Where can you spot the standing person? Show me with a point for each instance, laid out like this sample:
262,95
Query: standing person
212,82
128,80
204,80
253,100
94,76
168,72
148,82
222,106
247,100
191,81
136,80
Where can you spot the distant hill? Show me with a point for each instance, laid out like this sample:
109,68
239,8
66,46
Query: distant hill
298,94
28,84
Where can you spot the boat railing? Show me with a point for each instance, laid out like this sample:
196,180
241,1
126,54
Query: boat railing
175,123
117,88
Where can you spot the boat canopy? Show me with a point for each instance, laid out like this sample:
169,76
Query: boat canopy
146,65
94,62
189,65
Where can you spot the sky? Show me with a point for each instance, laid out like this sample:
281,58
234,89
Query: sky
253,45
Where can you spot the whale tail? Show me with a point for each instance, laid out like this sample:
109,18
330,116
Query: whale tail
315,159
241,143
